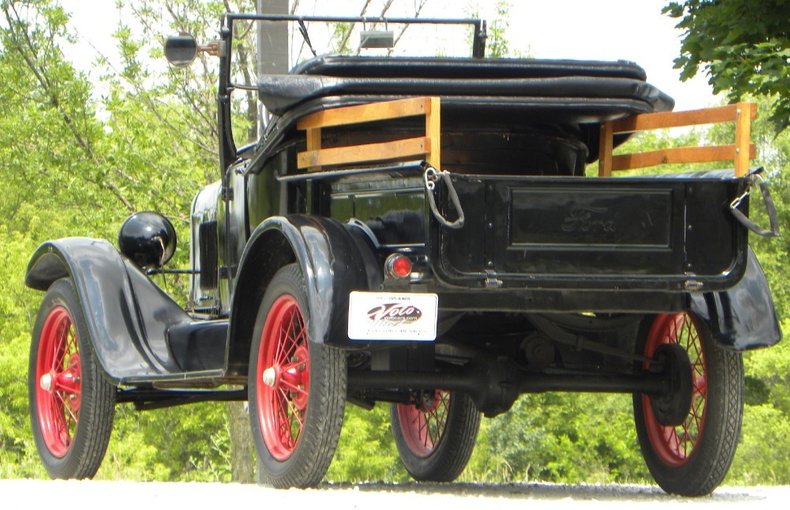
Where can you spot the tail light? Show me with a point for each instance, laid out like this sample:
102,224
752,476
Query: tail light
398,265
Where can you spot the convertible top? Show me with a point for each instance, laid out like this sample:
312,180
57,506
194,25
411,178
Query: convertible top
574,96
430,67
597,90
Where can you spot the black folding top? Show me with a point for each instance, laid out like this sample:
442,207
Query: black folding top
564,81
432,67
575,96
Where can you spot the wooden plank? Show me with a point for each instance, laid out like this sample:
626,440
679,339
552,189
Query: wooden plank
675,155
366,113
742,137
648,121
313,142
361,153
433,130
605,150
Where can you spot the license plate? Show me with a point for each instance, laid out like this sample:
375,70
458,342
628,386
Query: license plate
388,316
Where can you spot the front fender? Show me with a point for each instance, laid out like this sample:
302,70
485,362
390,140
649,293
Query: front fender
333,262
743,317
127,315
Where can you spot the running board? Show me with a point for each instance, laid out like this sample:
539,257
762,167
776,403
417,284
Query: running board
146,399
216,376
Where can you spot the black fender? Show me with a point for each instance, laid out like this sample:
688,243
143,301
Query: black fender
334,261
127,315
743,317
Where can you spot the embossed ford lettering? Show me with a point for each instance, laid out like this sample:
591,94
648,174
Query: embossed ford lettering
582,219
395,312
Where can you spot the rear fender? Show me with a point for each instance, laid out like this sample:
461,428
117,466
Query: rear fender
333,260
127,315
744,316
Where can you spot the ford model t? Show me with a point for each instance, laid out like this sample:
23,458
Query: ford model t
420,231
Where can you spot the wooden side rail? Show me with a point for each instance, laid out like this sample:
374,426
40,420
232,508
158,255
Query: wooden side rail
741,152
427,146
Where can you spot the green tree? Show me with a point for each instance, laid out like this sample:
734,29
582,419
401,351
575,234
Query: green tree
743,46
70,174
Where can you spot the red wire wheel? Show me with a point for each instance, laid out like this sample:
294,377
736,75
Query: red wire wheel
72,406
423,426
58,372
690,453
436,437
296,387
284,367
674,445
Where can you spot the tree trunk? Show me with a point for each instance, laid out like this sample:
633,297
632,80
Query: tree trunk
242,449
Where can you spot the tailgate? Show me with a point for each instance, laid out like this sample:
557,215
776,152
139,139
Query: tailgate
672,233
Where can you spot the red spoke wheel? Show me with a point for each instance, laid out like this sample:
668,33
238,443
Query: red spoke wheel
284,367
297,389
436,437
691,455
71,405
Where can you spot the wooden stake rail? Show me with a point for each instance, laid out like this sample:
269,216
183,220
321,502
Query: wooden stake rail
741,152
427,146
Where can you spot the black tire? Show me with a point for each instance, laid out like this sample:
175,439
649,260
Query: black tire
436,439
296,416
691,459
72,406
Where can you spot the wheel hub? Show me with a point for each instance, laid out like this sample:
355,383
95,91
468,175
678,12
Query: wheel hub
300,376
46,382
672,408
269,377
429,400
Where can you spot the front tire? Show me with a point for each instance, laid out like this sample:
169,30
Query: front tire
692,458
71,405
436,438
297,388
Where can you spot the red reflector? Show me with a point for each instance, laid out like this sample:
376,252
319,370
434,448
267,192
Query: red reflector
398,266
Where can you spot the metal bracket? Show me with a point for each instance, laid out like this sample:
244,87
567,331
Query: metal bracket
491,281
431,176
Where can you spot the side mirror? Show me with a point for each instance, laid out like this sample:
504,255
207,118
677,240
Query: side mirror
181,49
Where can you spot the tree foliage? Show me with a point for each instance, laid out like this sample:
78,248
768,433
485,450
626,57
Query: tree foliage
69,174
743,46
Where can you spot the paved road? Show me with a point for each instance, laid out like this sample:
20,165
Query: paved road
106,495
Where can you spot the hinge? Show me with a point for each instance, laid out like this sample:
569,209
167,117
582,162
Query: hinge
491,281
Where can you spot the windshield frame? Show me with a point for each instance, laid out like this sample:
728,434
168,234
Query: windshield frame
227,147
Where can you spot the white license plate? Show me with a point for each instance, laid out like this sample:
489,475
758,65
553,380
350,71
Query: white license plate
392,316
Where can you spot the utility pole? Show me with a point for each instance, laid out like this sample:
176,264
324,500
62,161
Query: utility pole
272,51
272,46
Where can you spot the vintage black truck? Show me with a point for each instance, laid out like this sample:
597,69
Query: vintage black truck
420,231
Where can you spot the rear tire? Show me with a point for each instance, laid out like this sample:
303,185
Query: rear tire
71,404
691,459
297,388
436,439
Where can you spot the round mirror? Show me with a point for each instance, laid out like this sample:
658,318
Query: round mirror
181,49
148,239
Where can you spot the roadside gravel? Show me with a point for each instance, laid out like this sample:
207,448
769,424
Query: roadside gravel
119,495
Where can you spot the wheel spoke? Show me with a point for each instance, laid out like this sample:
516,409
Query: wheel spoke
58,346
63,418
65,407
293,387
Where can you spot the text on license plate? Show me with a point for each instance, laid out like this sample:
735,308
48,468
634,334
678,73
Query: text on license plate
392,316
